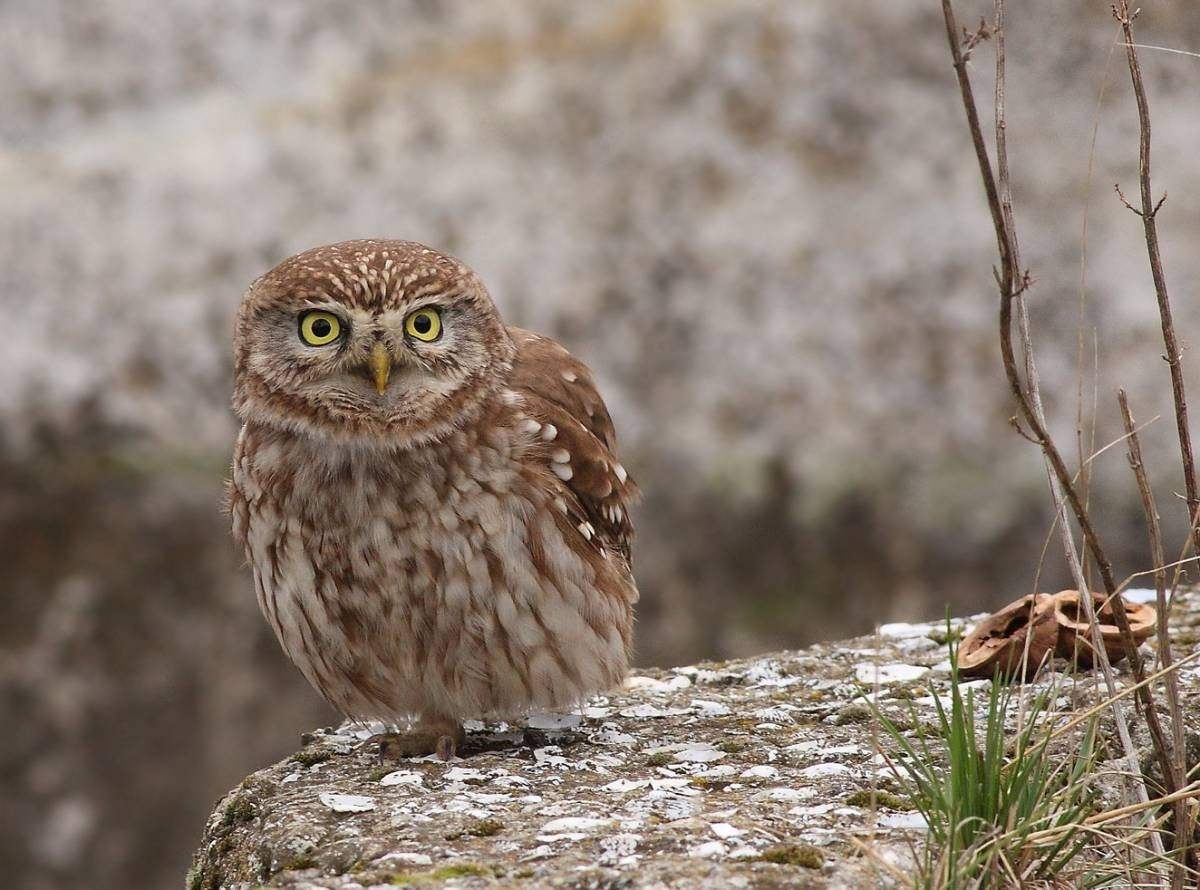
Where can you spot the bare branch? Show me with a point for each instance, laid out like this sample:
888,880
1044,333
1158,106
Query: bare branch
1124,200
1148,212
1183,820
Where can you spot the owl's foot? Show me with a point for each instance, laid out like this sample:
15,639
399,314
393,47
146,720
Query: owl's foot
440,737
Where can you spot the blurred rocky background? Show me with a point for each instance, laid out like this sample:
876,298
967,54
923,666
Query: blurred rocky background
760,222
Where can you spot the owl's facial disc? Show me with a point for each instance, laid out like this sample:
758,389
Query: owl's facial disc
382,341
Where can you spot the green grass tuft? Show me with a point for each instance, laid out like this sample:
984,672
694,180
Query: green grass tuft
984,791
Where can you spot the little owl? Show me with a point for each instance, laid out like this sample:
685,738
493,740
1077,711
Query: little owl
430,500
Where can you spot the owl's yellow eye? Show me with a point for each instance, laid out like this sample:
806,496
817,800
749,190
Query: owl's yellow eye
424,324
319,328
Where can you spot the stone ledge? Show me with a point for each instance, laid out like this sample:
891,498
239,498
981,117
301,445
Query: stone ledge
756,772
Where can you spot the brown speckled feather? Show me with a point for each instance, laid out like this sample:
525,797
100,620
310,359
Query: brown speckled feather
558,389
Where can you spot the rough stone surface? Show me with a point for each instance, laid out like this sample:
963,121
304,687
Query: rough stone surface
757,773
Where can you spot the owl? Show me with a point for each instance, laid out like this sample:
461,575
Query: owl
430,500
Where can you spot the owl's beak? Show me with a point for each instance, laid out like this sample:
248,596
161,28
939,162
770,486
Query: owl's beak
381,366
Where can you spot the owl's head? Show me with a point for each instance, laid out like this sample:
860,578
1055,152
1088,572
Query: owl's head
388,341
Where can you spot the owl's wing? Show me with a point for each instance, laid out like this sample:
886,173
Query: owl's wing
581,443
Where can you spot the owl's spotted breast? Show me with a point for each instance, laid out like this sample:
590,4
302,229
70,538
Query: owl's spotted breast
457,580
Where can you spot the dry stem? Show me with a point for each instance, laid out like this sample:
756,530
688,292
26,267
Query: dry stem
1183,826
1149,214
1012,283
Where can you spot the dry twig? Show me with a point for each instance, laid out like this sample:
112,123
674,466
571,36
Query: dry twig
1183,827
1148,213
1012,283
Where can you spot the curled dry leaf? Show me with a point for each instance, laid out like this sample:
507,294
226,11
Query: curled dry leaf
1074,636
996,647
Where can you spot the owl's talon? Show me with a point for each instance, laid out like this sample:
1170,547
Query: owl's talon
402,745
446,748
440,737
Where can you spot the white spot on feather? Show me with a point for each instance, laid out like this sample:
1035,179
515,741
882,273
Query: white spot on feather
549,431
621,474
562,471
569,376
560,456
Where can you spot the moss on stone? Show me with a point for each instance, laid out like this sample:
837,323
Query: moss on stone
853,713
711,784
480,828
445,873
241,809
909,691
464,870
941,637
300,863
486,828
659,758
803,855
310,757
732,746
865,797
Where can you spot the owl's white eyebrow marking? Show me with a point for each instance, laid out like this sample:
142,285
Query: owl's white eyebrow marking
338,284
